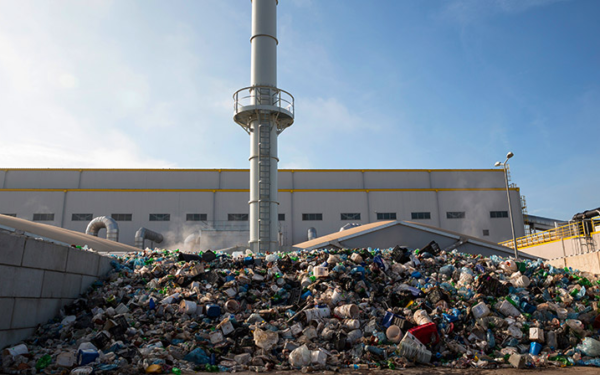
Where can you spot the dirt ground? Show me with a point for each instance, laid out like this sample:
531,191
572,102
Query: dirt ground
446,371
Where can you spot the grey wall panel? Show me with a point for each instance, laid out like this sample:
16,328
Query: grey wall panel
27,203
327,180
285,179
396,179
331,205
138,179
231,203
235,180
36,179
467,179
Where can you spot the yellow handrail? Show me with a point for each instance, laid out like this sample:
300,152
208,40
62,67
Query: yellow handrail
566,231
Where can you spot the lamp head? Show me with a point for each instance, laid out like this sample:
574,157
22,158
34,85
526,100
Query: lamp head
509,155
497,164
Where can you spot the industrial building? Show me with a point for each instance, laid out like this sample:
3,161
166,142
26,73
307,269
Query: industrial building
181,202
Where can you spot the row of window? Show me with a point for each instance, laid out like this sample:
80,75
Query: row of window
244,217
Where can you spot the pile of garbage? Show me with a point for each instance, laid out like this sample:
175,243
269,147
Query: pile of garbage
171,312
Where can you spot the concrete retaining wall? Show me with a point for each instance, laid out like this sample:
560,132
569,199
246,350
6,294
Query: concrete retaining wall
585,262
37,278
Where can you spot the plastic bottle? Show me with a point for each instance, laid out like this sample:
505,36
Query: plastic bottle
490,339
43,362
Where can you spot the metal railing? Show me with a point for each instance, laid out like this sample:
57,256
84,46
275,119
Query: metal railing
263,95
575,229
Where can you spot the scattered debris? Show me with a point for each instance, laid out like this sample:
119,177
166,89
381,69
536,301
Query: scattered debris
169,312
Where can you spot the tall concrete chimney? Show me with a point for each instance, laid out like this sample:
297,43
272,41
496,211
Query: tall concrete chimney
264,111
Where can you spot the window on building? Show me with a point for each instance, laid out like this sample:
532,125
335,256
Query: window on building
486,232
420,215
281,217
196,217
82,217
159,217
13,215
237,217
498,214
355,216
43,217
455,215
386,216
312,217
121,217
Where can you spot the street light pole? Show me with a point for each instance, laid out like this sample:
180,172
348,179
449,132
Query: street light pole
512,223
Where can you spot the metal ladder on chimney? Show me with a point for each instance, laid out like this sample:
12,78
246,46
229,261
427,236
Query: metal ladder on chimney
264,183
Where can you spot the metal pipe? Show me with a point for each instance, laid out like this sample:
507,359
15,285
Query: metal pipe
312,233
512,223
263,130
146,234
264,113
586,214
112,228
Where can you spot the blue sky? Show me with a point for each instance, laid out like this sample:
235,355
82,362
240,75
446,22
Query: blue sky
378,84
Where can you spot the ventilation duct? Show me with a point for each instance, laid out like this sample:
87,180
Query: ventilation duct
312,233
112,228
146,234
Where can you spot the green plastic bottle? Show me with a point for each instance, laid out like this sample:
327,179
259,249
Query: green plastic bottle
43,362
176,371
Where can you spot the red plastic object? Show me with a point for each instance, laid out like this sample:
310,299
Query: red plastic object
427,333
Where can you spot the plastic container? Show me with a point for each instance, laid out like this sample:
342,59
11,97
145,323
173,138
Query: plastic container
421,317
213,311
535,348
356,258
480,310
232,306
16,350
536,334
351,323
426,333
85,356
347,311
66,359
354,336
393,334
507,308
414,350
321,271
317,313
336,297
187,307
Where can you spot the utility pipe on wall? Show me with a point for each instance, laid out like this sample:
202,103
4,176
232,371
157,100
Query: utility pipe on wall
112,228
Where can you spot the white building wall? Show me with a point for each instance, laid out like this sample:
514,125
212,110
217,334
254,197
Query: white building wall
218,193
